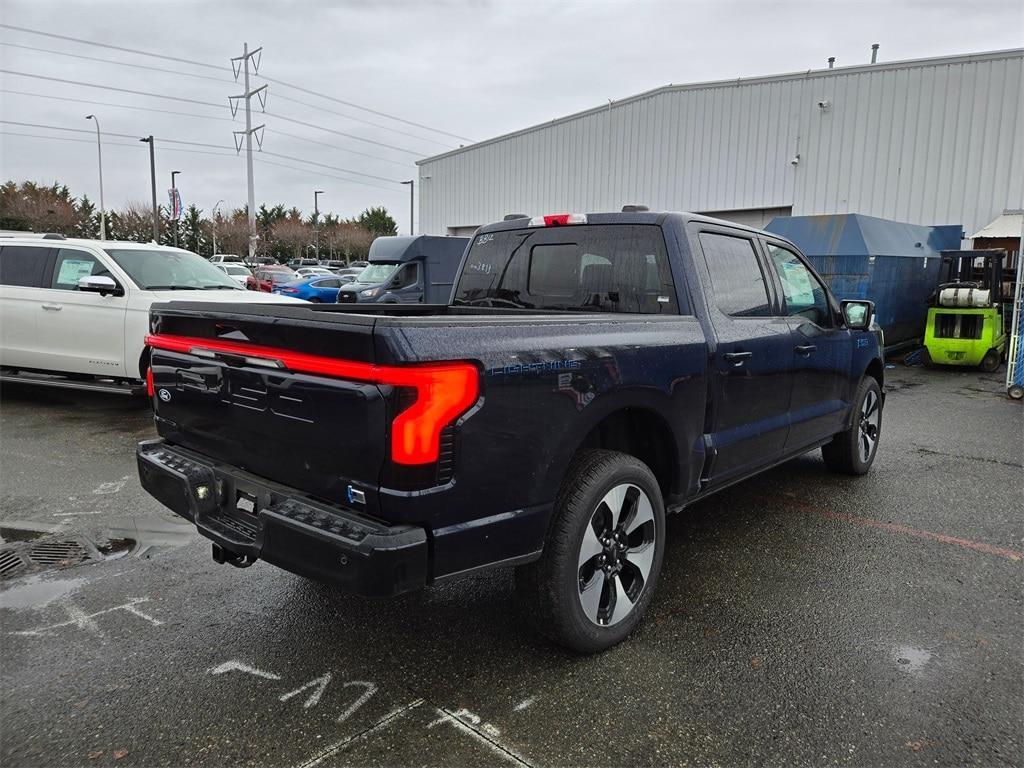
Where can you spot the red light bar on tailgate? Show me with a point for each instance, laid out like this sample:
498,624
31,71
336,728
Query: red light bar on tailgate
558,220
444,391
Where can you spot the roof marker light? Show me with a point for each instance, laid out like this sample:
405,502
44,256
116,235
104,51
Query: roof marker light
558,219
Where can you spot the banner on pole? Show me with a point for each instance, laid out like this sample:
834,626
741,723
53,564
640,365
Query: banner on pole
174,203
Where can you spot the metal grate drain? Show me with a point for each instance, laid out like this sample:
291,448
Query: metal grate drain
10,561
59,552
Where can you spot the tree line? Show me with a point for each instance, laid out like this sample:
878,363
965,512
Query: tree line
284,233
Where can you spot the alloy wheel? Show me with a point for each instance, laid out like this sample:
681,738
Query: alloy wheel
616,554
870,421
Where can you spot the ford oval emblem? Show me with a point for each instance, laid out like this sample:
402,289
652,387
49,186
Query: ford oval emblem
165,395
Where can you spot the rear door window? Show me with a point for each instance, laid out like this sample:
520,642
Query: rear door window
23,265
737,281
591,268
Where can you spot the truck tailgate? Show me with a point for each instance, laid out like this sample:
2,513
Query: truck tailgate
225,388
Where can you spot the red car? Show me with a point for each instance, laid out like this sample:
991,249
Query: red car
267,277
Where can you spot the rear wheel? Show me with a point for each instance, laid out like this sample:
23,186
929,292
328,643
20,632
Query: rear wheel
926,358
602,557
852,452
991,361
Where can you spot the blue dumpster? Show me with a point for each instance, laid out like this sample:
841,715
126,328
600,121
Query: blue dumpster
894,264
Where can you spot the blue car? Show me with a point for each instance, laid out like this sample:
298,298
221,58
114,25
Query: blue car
319,288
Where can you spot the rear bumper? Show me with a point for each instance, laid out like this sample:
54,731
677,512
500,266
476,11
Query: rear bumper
324,542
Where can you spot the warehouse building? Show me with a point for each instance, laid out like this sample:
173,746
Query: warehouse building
928,141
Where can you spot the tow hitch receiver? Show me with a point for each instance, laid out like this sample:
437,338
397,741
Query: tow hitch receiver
222,556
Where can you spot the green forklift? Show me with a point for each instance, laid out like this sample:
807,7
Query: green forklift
965,315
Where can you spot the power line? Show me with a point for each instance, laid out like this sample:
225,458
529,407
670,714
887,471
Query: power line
232,155
109,133
332,167
113,47
340,133
225,80
112,88
335,146
114,61
359,120
221,69
365,109
119,106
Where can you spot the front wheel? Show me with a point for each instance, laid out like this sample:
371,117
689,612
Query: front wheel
602,556
852,452
991,361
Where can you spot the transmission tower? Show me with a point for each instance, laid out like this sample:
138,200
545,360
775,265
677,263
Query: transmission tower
239,65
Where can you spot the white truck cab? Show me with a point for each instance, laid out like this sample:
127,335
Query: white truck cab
76,312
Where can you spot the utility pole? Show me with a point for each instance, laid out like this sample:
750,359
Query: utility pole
412,185
316,219
174,203
99,154
152,179
215,207
241,64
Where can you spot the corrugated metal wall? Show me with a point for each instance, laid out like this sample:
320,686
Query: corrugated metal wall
937,141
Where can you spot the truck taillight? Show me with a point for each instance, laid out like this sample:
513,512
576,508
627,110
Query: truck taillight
150,387
558,219
444,391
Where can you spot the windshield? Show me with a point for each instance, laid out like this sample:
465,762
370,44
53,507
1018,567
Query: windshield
279,276
167,270
377,273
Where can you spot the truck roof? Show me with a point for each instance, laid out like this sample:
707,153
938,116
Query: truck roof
406,248
631,217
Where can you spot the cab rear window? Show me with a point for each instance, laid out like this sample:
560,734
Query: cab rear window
590,268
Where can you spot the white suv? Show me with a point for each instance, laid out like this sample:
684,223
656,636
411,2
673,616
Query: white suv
80,308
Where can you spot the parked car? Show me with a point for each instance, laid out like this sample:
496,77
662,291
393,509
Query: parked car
407,270
360,264
237,272
592,373
335,264
296,263
268,277
265,260
315,288
224,258
311,271
75,313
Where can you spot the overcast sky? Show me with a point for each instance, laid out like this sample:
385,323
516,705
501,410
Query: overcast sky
467,69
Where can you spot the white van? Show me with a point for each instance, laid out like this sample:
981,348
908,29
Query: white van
75,313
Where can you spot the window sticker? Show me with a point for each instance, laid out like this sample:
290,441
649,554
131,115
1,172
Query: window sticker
798,281
72,270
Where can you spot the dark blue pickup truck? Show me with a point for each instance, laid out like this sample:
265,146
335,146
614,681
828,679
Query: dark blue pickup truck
592,373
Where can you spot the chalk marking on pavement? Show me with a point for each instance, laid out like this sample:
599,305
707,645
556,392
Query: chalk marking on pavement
76,514
337,746
486,736
237,666
114,487
527,702
977,546
319,685
86,621
371,688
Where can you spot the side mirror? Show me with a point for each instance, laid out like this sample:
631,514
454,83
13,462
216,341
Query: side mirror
100,284
858,314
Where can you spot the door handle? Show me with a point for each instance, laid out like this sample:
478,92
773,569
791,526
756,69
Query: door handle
737,358
805,349
53,307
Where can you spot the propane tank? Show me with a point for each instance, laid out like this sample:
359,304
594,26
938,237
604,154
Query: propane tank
970,298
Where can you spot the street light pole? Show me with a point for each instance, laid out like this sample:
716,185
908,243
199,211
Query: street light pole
152,179
99,155
215,207
412,185
174,201
316,219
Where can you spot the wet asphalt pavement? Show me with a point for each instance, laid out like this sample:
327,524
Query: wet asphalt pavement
802,618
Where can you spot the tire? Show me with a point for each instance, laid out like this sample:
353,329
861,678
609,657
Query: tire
591,546
1015,392
926,358
853,452
991,361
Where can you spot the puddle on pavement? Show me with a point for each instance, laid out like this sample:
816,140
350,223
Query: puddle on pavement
911,659
35,592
